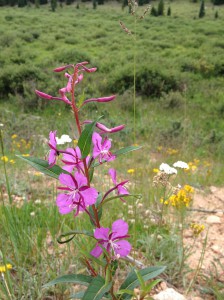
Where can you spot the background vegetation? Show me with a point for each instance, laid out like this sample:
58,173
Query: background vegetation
179,112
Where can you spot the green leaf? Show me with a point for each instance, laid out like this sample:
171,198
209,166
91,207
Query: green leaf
126,150
140,279
43,166
119,152
132,281
97,289
120,196
78,295
85,140
151,285
72,234
70,278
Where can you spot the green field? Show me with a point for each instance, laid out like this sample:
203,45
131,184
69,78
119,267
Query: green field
168,78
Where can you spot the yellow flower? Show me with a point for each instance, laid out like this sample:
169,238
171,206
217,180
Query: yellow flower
25,155
38,173
182,198
12,161
197,228
14,136
171,151
4,158
188,188
155,170
159,148
131,171
3,268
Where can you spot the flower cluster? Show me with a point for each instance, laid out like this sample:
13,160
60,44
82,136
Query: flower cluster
77,194
182,198
197,228
6,159
4,268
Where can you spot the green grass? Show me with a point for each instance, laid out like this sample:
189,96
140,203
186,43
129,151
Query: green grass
179,105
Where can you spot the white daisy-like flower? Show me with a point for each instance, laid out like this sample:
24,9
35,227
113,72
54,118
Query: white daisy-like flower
167,169
63,139
181,164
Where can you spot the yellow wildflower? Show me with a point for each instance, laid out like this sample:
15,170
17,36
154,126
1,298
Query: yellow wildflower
38,173
12,161
131,171
14,136
196,161
25,155
182,198
155,170
4,158
197,228
188,188
3,268
171,151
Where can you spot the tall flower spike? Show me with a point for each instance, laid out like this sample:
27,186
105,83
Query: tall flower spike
113,241
78,195
101,149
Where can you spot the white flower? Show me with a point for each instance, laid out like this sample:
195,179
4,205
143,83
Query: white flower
167,169
38,201
63,139
32,213
1,125
181,164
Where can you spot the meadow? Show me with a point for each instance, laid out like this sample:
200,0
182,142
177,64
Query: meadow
168,78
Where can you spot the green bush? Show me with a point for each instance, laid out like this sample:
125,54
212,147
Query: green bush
149,82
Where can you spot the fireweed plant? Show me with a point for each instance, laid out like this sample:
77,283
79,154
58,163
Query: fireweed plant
78,196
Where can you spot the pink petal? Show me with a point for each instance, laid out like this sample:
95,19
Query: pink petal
96,139
106,144
52,157
67,180
113,174
119,229
43,95
97,251
122,190
81,179
90,195
124,248
60,69
102,233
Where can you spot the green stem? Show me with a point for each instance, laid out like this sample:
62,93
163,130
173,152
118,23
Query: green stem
4,166
199,264
134,81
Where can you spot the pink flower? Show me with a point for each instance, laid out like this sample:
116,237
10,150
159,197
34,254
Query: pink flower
72,159
101,149
60,69
53,145
104,129
103,99
78,195
49,97
121,190
113,241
